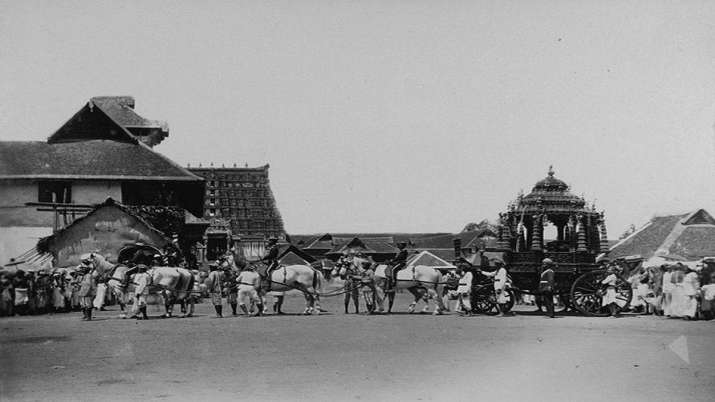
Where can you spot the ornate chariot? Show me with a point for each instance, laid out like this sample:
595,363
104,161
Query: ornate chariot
576,238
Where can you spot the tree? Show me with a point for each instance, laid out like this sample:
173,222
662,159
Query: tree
484,226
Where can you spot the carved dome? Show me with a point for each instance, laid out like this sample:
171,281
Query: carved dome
550,195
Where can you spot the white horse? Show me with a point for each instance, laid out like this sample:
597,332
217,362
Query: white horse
417,280
117,277
298,277
173,283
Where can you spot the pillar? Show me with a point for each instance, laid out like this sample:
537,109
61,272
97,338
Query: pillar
536,236
581,242
521,238
604,238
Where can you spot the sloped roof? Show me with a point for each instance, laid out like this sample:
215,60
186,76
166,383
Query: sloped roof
689,235
91,159
121,109
289,254
369,246
44,244
91,123
428,259
292,258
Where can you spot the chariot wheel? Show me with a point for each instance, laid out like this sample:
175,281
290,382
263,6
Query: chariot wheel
587,294
511,300
483,301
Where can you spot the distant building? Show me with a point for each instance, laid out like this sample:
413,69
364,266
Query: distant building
104,150
689,236
382,246
239,203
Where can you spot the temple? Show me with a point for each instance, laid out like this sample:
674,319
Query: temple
239,203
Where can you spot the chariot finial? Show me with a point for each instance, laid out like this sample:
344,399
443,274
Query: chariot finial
551,170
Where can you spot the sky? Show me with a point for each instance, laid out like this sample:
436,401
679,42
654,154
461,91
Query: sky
379,116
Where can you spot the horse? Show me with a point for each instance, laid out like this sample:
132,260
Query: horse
417,280
299,277
347,271
165,280
106,273
175,284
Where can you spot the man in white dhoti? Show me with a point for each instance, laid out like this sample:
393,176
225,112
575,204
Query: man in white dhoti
501,279
610,298
691,292
667,287
249,282
464,291
141,291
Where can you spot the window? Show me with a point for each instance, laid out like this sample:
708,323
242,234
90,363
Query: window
212,201
212,212
54,191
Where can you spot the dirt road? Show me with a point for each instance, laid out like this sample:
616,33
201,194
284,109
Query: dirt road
347,357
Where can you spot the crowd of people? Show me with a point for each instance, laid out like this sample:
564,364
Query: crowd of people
679,290
41,292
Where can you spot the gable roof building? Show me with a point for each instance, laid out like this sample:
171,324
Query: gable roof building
691,236
105,230
104,150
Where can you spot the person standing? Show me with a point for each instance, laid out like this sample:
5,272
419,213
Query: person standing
501,281
248,282
6,295
691,293
367,286
667,286
87,290
21,286
546,285
141,291
610,298
230,287
214,284
464,291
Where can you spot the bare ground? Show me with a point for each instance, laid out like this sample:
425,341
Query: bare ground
347,357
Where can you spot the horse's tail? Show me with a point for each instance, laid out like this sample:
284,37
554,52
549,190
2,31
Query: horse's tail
190,287
317,280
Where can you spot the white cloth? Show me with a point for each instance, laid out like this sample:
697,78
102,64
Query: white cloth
101,294
21,296
248,284
668,285
465,283
141,281
684,303
611,295
709,292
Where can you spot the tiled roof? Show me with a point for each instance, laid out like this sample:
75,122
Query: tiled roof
695,243
648,239
689,235
121,109
93,159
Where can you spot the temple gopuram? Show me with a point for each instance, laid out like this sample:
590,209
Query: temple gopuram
577,233
240,205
